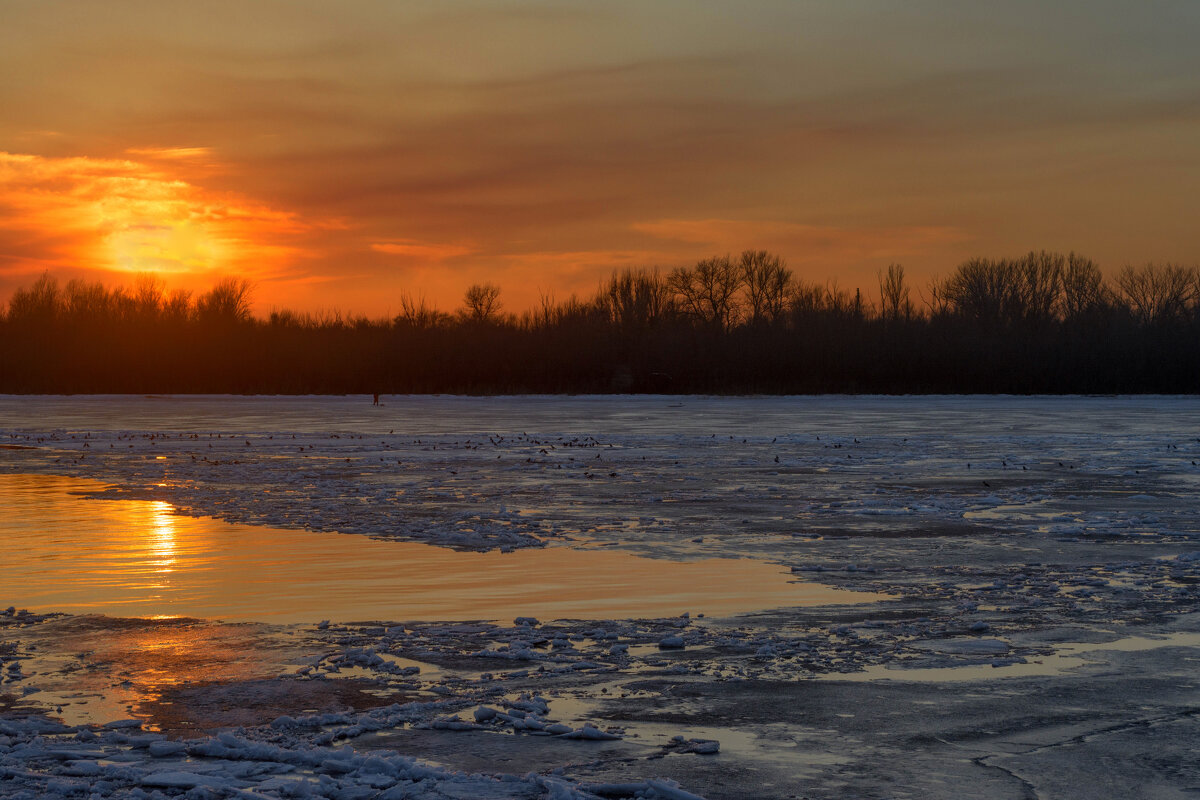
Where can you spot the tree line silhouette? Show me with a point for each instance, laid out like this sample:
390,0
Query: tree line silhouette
1041,323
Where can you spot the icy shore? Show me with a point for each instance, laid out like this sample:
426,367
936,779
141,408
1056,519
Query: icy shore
1040,557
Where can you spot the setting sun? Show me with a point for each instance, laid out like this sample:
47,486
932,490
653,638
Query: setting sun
165,243
122,216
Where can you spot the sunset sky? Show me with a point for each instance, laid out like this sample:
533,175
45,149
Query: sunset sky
339,154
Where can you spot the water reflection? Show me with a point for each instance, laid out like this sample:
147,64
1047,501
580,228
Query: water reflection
162,536
98,669
137,558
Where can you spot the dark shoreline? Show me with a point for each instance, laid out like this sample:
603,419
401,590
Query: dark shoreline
1042,324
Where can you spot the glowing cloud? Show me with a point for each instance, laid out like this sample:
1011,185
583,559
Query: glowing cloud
123,215
171,153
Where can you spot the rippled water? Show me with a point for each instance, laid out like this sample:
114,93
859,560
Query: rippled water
137,558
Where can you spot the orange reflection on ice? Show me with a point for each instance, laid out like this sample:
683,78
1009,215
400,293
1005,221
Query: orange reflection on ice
140,663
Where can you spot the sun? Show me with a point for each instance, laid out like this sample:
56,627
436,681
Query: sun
169,246
152,224
130,217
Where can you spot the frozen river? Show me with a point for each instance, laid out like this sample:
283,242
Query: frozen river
994,592
688,415
665,476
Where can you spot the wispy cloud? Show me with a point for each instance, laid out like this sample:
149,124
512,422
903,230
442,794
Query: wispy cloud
422,251
170,153
806,242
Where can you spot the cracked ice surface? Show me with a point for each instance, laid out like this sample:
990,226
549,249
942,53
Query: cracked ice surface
671,476
1040,554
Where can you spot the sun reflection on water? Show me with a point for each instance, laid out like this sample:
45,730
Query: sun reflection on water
161,536
65,552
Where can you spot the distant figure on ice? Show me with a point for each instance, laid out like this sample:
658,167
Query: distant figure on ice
376,399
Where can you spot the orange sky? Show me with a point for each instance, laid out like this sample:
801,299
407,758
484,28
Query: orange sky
341,154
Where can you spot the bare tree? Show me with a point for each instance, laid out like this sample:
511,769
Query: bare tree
83,301
1024,289
635,299
481,302
805,298
894,299
227,301
178,305
1083,289
1159,292
981,288
837,299
1039,285
41,302
548,311
416,313
937,302
708,291
768,282
146,296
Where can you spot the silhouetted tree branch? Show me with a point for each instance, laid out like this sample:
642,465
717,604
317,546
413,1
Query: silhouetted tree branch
1039,323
